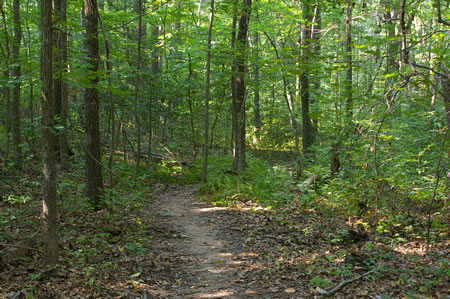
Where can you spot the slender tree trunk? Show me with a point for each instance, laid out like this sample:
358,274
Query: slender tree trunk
233,87
207,81
348,59
136,87
256,99
94,180
288,99
307,135
156,66
6,90
316,29
191,111
290,105
50,257
16,73
239,83
112,113
58,68
63,142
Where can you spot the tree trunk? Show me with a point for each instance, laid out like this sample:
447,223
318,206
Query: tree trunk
156,66
112,113
288,99
207,81
191,111
233,87
50,257
136,88
239,83
16,73
6,90
58,68
94,181
256,99
63,143
348,59
316,29
304,78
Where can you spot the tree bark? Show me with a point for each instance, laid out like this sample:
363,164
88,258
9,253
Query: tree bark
304,78
136,87
94,180
207,82
112,113
63,143
50,257
6,90
239,83
16,73
233,87
256,99
316,29
191,110
348,59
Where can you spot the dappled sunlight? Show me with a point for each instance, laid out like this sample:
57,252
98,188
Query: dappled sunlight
206,210
412,248
218,294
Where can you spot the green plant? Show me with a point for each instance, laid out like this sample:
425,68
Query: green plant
320,282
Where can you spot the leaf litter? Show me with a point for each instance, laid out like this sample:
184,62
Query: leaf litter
179,247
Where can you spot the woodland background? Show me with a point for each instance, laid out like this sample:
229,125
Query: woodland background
340,108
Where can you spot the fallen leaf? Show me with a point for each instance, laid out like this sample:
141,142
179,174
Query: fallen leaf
290,291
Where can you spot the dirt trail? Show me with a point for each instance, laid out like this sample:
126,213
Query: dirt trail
208,273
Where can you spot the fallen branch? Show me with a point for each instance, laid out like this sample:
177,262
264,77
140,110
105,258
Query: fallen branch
19,246
311,180
301,187
343,284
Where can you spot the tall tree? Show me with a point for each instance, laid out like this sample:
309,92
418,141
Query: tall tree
6,53
239,83
349,62
94,180
256,99
63,68
316,28
48,155
307,136
136,85
207,83
17,150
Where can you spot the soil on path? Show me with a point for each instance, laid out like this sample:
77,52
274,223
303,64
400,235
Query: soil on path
206,268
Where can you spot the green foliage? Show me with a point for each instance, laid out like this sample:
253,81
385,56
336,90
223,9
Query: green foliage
260,183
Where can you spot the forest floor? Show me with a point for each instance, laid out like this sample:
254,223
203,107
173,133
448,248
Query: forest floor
176,246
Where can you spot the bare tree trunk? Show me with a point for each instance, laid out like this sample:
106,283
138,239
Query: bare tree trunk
16,73
348,58
233,87
111,106
304,78
6,90
63,143
136,88
156,66
50,257
239,83
256,99
94,180
316,29
288,99
191,111
58,68
207,81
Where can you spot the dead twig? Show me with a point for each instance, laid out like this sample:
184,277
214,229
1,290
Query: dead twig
337,288
19,246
